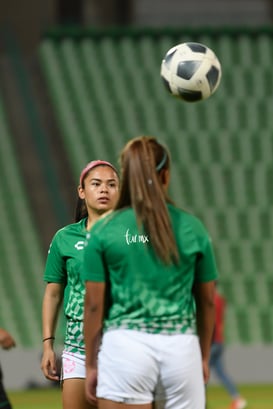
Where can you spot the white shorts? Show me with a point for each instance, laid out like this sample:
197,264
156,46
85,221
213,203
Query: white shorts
73,365
138,368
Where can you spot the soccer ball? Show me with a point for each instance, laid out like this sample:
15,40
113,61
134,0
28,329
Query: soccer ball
191,71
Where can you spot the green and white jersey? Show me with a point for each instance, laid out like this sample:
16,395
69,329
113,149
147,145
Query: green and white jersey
146,294
63,266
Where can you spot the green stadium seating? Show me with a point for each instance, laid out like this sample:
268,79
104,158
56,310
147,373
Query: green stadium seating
106,88
22,262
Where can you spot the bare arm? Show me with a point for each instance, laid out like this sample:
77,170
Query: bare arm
205,316
52,301
93,318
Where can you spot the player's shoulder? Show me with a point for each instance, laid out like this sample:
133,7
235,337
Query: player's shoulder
185,221
184,215
110,224
112,217
70,229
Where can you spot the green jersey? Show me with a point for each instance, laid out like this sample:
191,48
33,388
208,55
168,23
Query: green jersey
63,266
146,294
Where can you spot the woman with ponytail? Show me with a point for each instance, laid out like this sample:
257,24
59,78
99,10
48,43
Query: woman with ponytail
149,273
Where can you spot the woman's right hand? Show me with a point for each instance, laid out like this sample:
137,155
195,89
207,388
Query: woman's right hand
49,365
91,385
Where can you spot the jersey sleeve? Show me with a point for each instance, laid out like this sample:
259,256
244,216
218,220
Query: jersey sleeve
55,268
93,266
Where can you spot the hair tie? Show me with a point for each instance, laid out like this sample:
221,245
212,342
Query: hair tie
47,338
162,162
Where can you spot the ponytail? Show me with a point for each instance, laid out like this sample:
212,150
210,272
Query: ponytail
144,164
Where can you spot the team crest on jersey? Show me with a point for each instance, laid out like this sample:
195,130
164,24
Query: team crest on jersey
80,245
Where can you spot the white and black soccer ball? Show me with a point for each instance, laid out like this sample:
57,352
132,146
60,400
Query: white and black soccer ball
191,71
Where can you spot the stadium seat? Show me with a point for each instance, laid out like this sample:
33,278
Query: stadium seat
21,255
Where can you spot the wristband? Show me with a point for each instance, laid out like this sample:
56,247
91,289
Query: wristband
45,339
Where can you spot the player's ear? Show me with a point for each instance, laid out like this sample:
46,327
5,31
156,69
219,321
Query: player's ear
81,192
165,178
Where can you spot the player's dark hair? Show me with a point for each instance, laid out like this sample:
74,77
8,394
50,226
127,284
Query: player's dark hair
80,211
144,162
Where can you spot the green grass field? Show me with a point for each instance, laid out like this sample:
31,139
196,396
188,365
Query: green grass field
258,397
